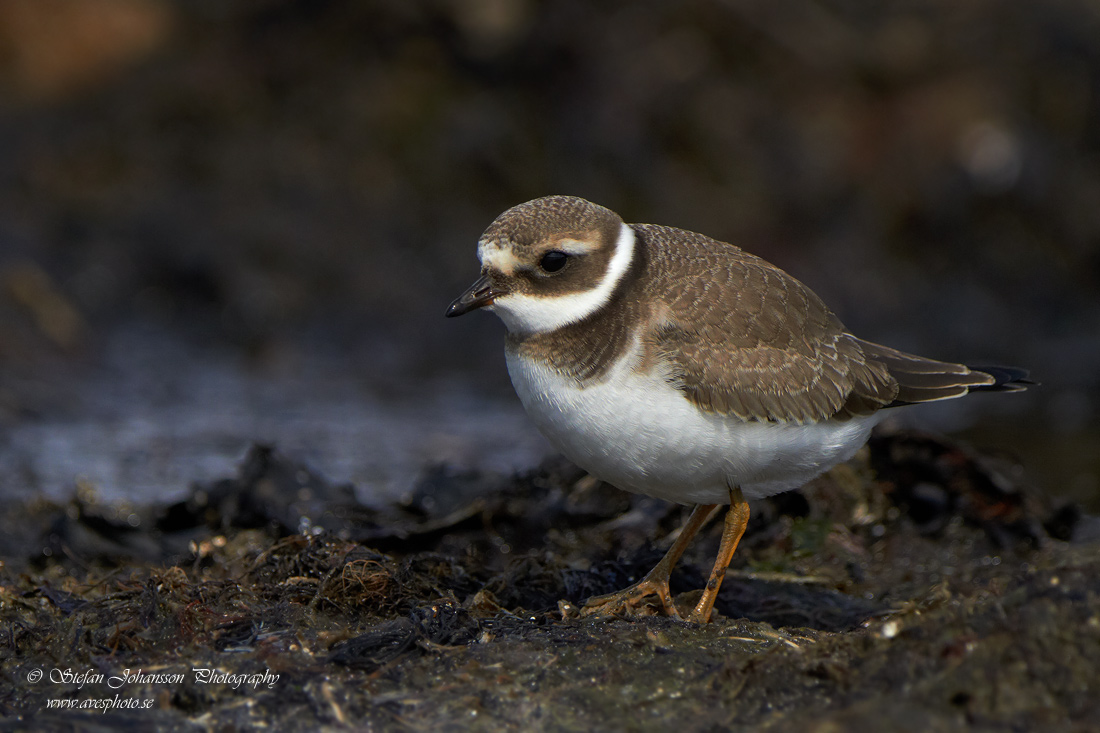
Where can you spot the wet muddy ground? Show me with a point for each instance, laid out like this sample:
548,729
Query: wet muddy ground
922,586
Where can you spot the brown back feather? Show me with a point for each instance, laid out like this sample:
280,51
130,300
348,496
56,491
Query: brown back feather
749,340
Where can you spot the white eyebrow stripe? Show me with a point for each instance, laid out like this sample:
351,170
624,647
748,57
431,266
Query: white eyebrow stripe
498,258
576,246
532,314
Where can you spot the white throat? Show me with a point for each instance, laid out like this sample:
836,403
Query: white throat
525,314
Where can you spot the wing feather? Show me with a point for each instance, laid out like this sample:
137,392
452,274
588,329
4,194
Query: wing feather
754,342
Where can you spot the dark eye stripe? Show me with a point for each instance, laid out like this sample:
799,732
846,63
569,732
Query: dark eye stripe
553,261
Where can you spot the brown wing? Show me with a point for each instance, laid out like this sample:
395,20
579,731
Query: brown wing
750,340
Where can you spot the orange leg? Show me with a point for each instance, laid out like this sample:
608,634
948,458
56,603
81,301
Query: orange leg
737,518
656,581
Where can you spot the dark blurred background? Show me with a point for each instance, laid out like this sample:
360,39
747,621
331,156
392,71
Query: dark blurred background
234,220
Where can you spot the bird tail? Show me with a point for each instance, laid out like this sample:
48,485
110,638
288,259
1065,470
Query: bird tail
927,380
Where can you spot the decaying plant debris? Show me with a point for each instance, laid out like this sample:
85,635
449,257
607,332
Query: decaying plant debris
920,587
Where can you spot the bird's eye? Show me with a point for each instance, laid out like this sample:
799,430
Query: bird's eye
553,261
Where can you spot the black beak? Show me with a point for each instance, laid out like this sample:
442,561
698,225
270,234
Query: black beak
478,295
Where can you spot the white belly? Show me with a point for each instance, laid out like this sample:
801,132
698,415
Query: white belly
640,434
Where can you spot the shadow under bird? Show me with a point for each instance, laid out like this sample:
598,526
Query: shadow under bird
671,364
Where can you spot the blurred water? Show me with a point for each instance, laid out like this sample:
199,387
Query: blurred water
156,413
159,415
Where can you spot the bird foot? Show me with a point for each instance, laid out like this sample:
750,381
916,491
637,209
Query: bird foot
692,607
647,597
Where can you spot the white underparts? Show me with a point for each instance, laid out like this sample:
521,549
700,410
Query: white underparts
638,432
524,314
